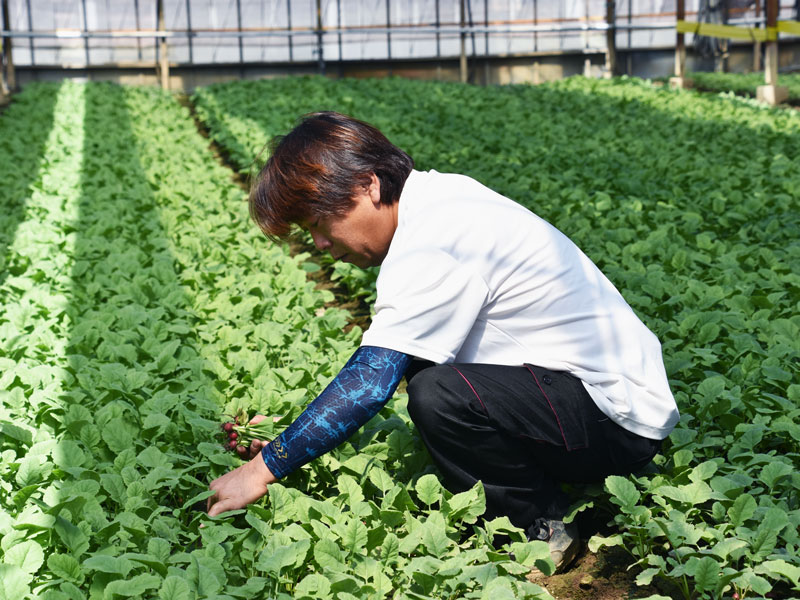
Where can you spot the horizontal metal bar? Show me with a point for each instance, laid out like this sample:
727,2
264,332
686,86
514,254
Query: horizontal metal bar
399,29
77,34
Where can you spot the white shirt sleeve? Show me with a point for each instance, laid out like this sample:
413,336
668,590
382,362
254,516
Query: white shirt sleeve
427,304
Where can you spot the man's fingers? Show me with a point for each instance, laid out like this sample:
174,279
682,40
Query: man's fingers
259,418
217,508
255,447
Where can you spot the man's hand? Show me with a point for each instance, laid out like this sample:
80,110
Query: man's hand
247,452
240,487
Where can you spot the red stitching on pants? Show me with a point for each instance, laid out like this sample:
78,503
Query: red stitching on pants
561,429
470,387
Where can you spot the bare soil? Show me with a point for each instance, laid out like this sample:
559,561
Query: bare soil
606,575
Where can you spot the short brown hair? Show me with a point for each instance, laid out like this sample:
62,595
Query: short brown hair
318,167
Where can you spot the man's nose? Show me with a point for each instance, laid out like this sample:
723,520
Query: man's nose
320,241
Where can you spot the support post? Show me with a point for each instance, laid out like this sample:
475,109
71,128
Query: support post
138,29
163,48
31,45
86,29
771,92
9,78
320,57
188,31
339,36
389,34
462,63
239,28
679,80
289,28
721,65
756,43
611,39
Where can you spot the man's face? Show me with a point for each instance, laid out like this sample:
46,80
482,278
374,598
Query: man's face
362,235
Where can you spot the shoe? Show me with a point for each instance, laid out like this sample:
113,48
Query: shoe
562,538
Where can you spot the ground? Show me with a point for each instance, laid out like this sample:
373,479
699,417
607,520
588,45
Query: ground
603,576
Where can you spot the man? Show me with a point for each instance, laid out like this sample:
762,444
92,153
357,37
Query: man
526,367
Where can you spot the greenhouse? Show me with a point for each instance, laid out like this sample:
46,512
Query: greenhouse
400,299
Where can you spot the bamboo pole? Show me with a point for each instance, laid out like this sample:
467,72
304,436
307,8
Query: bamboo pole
771,92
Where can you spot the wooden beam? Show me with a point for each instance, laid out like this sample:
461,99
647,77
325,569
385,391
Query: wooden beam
9,76
163,48
611,39
756,43
679,80
770,92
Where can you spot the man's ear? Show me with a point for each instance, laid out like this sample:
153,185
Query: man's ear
374,189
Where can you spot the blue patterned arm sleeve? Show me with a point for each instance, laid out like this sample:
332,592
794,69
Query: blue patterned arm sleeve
358,392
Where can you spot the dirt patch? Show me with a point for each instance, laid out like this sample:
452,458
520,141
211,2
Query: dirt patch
607,575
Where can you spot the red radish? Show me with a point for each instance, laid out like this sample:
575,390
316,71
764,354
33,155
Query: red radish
233,435
227,427
232,444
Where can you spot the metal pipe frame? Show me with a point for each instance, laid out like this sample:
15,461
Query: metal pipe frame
451,30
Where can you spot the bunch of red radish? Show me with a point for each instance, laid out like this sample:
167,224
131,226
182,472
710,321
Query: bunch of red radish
243,435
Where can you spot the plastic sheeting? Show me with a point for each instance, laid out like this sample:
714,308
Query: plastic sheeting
353,29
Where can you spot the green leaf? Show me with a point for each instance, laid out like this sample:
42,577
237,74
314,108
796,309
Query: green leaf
13,582
705,571
174,588
74,539
534,554
597,541
434,534
774,471
134,586
429,490
27,555
108,564
68,454
328,555
782,568
117,436
349,487
750,581
625,494
646,576
65,566
313,586
390,549
355,536
381,479
743,508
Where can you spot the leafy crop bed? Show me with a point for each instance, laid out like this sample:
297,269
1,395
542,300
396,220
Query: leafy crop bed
138,307
744,83
691,205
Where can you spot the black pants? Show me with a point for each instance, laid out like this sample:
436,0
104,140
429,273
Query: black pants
521,431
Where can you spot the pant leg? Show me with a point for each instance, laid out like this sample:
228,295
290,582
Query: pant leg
521,431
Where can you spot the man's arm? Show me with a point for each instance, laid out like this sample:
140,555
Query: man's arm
356,394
